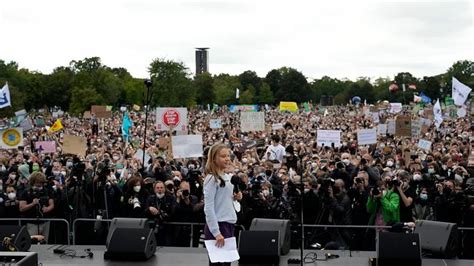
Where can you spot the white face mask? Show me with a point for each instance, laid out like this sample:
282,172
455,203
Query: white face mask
3,169
314,165
306,190
12,196
244,160
417,177
390,163
458,178
346,161
63,173
431,170
56,173
160,195
115,158
137,188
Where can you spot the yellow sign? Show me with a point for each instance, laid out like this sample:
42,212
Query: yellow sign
56,126
11,137
288,106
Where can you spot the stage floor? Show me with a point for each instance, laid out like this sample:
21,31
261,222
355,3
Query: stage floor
198,256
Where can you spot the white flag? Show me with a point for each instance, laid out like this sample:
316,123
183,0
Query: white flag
460,92
438,115
403,87
5,96
237,93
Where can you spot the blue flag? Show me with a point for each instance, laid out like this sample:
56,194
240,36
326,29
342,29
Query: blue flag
126,124
425,98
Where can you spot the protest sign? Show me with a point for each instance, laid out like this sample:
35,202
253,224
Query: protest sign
382,129
74,145
87,115
391,126
328,137
403,126
395,108
367,136
243,108
252,121
139,156
277,126
172,118
104,114
163,143
98,108
424,144
11,138
288,106
187,146
416,127
45,146
215,123
375,117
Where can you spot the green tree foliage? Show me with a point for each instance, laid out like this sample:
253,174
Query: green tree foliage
248,96
171,83
266,95
82,99
288,84
204,87
225,85
463,71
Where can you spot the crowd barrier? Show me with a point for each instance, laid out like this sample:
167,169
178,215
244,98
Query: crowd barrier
52,227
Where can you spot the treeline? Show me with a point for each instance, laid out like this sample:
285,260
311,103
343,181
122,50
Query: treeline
85,82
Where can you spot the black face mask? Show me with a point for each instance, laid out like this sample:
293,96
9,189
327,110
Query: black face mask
268,172
447,191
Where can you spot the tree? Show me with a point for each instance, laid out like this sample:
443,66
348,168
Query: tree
171,83
250,78
288,84
463,71
266,95
82,99
247,97
225,85
204,87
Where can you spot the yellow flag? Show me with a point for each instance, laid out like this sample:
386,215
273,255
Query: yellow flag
136,107
288,106
56,126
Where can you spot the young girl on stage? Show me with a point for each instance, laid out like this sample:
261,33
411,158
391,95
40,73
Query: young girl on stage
218,197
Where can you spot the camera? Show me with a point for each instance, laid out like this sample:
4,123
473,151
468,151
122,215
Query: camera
136,203
395,182
375,191
363,161
185,193
359,180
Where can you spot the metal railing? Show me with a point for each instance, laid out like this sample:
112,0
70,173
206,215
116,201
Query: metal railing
19,220
192,225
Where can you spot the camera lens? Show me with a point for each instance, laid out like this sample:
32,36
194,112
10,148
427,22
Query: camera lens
186,193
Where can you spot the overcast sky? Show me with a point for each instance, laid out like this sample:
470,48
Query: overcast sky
335,38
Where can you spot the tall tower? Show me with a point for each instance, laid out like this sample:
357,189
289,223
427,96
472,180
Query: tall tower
202,60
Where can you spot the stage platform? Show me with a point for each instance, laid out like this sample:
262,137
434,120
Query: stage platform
198,256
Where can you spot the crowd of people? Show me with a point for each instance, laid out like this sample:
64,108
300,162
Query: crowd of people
388,182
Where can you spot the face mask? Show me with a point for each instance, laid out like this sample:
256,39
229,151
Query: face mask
314,165
266,192
382,145
346,161
191,166
12,196
306,190
417,177
137,188
115,158
37,188
389,163
54,188
424,196
56,173
13,176
458,178
384,193
244,160
35,168
69,164
63,173
431,170
3,169
160,195
444,167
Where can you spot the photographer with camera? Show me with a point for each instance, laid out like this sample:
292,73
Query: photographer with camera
359,194
383,204
10,203
159,207
184,212
365,164
407,194
37,202
135,197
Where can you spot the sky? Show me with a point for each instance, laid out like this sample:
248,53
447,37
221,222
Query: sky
341,39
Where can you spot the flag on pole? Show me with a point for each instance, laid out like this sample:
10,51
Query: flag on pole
460,92
412,86
425,98
416,99
237,93
56,126
438,115
126,124
403,87
5,96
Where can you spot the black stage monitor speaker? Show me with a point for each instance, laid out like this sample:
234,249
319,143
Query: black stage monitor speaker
130,239
394,249
439,239
259,247
282,226
19,258
14,238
